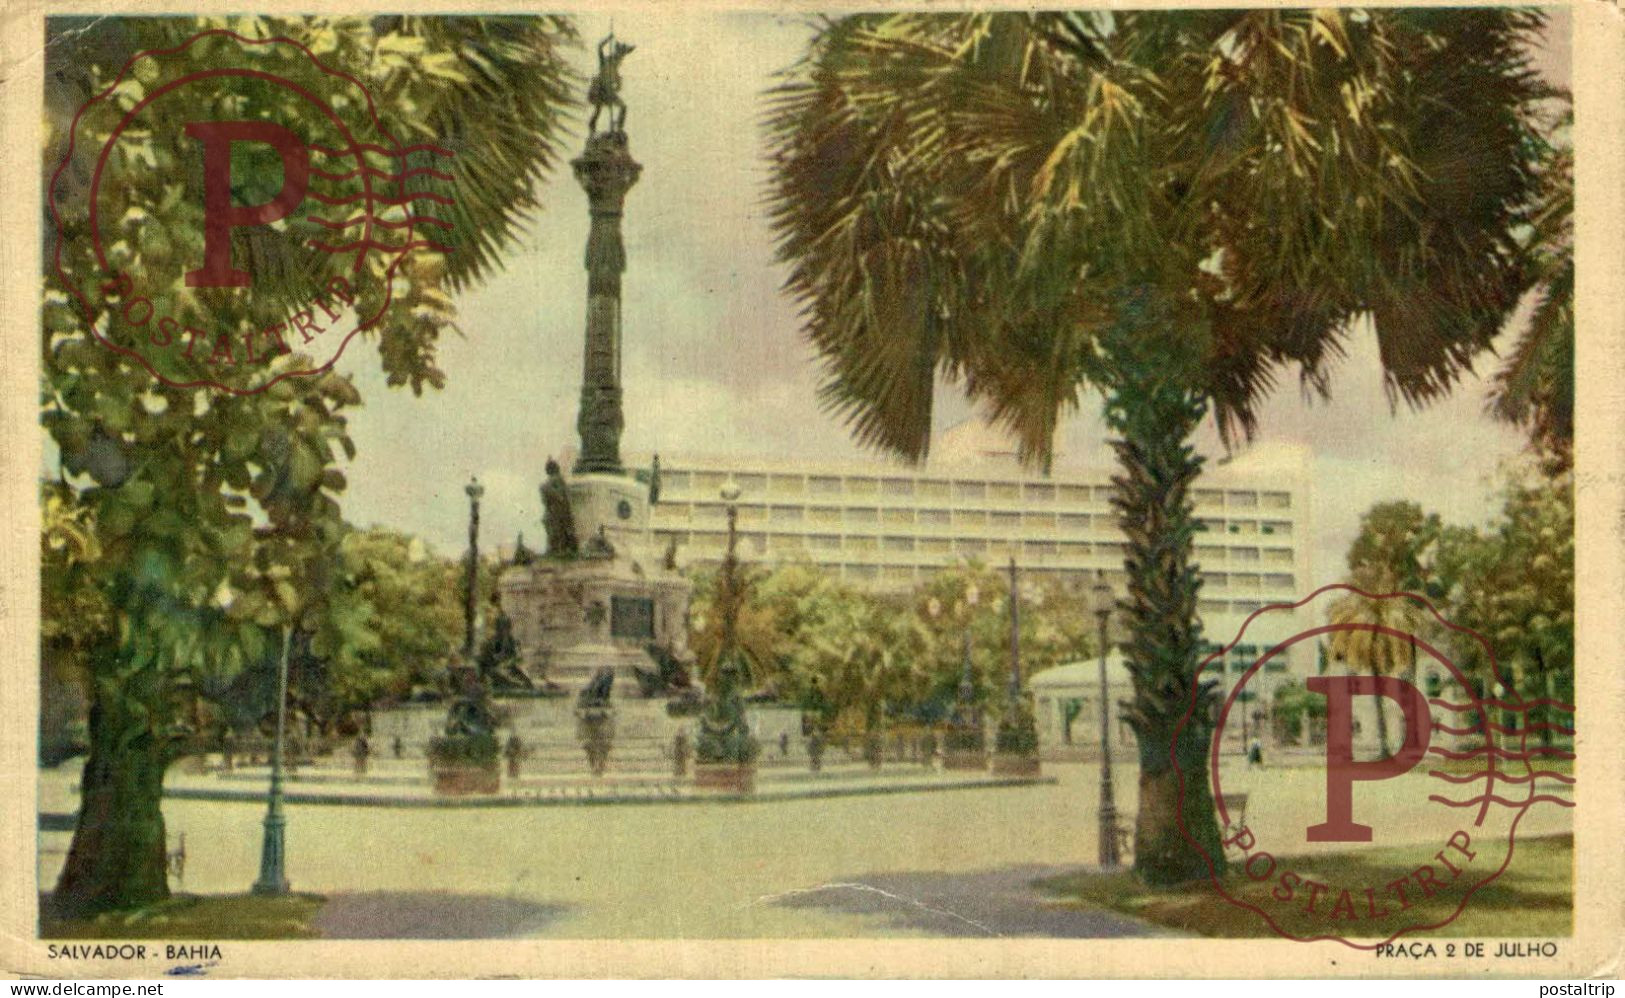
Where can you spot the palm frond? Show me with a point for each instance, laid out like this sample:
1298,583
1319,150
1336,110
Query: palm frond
505,121
955,194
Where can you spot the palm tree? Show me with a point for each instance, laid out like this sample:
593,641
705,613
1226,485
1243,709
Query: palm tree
1377,653
1172,208
1535,387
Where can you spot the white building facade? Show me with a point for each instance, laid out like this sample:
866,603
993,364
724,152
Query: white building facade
893,527
889,526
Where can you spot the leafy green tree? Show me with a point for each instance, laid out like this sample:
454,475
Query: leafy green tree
794,622
1298,714
1397,543
216,514
416,598
1173,208
765,621
1056,627
868,658
1513,584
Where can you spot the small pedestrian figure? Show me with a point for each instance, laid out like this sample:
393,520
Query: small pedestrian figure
228,742
679,754
515,751
398,747
815,750
1255,754
359,752
784,743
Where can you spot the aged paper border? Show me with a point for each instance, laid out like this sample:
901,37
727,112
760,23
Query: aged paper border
1595,950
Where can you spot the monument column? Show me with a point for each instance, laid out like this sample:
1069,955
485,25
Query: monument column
607,171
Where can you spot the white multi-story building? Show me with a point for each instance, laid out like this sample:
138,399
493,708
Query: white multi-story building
893,527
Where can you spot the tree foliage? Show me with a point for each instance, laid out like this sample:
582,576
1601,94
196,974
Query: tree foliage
1510,583
216,514
854,658
417,602
966,196
1513,584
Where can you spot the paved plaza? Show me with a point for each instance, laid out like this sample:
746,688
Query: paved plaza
959,862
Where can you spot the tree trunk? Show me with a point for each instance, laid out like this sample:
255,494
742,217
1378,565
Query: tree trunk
1382,719
118,855
1154,409
1544,715
1163,853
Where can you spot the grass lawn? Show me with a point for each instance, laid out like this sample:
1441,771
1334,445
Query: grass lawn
1510,766
192,916
1533,898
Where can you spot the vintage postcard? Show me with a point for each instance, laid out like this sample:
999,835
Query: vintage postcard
662,491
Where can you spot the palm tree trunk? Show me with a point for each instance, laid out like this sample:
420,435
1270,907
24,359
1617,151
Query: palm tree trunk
1382,716
1153,409
118,857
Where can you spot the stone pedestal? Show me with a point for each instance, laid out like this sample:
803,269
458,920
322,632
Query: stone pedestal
614,507
572,617
607,604
964,743
725,777
964,759
1006,764
462,781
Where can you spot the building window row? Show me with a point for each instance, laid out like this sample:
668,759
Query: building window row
913,573
827,548
1215,560
906,486
1211,554
904,516
1004,521
944,546
897,486
1246,528
1273,581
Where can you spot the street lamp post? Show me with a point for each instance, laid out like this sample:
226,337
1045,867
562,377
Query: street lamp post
273,871
966,746
1108,807
730,496
1015,640
474,491
1016,747
1246,743
967,681
725,754
967,678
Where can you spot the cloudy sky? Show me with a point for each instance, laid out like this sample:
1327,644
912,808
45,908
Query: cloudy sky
714,361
